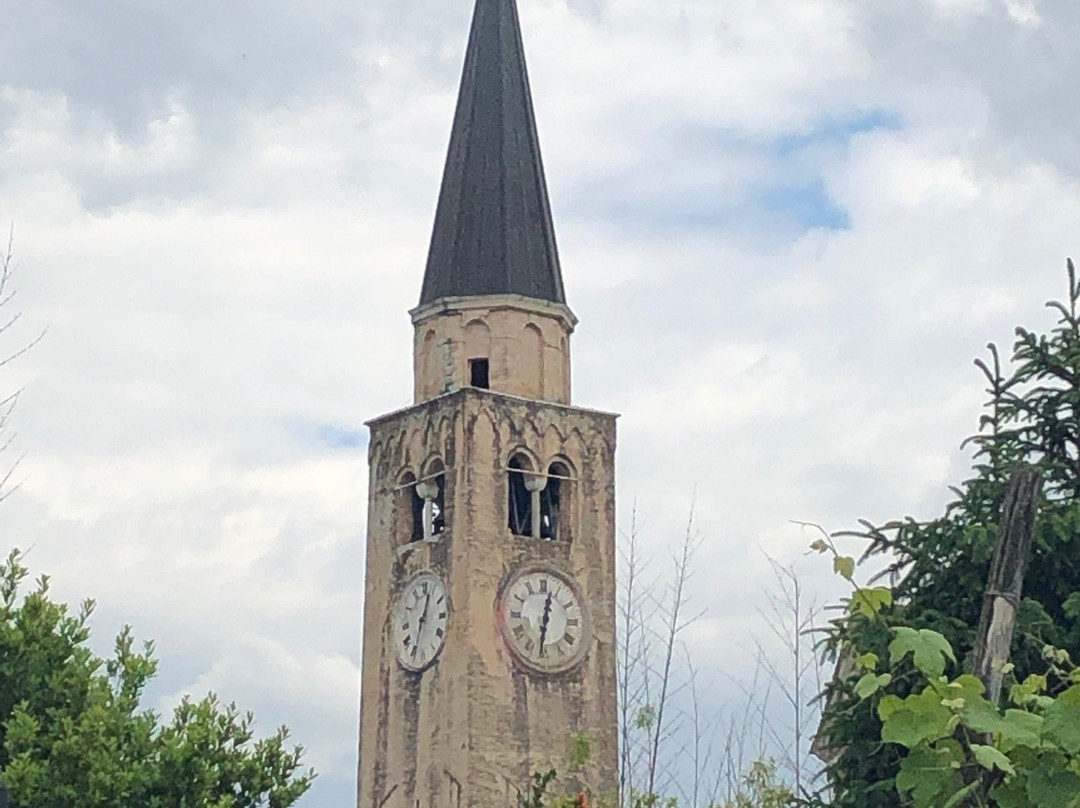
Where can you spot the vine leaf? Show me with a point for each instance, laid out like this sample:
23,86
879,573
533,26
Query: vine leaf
844,566
1051,785
929,648
928,774
1063,721
870,602
962,794
871,684
990,758
920,718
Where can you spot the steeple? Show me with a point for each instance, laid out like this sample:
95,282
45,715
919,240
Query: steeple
491,502
493,230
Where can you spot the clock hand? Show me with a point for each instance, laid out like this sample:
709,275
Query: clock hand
423,618
544,623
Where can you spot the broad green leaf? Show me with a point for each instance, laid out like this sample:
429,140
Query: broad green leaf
870,684
990,758
1070,697
909,728
870,602
844,566
868,662
929,774
867,686
1062,725
982,716
929,648
1021,729
919,718
888,706
970,686
1028,689
1051,786
1012,793
960,795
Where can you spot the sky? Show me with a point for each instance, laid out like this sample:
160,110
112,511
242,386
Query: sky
787,229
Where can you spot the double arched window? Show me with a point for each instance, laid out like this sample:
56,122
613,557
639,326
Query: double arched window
538,501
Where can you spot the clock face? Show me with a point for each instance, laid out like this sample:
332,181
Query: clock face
420,621
544,620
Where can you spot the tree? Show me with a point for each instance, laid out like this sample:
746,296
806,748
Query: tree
761,788
961,749
73,733
939,568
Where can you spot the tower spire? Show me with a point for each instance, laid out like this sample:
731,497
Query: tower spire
493,229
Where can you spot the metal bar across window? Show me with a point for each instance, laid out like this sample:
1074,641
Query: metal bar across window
542,474
415,483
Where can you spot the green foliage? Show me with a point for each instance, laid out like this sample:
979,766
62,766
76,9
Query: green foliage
958,749
1071,606
534,797
761,788
579,751
940,569
72,734
639,800
963,750
645,718
929,649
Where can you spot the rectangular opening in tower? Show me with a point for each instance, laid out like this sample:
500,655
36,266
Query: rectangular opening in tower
479,374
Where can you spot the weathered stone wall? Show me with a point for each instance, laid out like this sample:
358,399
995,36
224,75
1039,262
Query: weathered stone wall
471,729
527,343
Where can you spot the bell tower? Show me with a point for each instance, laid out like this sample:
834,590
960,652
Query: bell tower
489,612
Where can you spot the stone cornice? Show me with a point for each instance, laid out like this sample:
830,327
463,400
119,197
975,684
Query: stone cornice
449,305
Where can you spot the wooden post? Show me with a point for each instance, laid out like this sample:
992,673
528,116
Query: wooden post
1006,585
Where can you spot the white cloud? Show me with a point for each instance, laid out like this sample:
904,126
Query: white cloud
1025,12
226,262
960,8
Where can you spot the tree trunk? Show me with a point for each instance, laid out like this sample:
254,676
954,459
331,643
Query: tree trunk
993,640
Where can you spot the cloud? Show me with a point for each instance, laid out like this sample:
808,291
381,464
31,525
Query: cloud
787,230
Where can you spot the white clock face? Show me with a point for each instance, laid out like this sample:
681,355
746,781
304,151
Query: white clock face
544,621
420,621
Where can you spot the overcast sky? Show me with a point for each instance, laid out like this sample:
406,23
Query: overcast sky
787,228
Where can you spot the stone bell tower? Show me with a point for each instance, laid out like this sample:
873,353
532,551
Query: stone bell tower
489,612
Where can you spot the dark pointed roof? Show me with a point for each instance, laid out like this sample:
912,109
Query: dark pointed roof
493,230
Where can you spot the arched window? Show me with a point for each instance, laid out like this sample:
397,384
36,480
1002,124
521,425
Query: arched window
431,491
520,504
478,349
554,498
409,510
